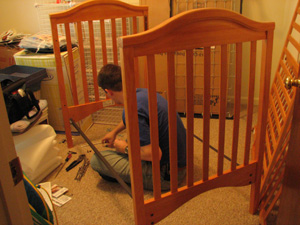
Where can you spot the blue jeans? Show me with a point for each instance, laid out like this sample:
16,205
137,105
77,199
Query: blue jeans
120,163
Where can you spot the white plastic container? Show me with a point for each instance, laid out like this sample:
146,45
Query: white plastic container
37,153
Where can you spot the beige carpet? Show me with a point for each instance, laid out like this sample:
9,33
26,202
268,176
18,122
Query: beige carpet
96,201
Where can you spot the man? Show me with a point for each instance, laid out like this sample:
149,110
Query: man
110,80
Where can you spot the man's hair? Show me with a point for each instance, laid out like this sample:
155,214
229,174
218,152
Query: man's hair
110,77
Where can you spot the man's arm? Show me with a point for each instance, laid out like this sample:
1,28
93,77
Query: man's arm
120,127
110,137
146,151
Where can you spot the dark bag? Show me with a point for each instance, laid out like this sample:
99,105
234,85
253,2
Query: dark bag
19,102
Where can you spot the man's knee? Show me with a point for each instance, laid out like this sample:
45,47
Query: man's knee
95,162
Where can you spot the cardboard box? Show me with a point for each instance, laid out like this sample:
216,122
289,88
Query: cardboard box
180,81
7,56
49,86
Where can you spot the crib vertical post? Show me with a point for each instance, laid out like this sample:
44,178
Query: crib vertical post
250,101
237,105
206,112
82,61
153,121
132,127
71,63
93,59
114,40
172,122
103,42
190,117
222,117
267,47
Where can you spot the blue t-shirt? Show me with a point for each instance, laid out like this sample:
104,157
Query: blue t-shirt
143,117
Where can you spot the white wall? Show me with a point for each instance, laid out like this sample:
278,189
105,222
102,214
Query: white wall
278,11
22,16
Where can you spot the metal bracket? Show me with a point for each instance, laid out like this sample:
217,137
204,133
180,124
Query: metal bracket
16,170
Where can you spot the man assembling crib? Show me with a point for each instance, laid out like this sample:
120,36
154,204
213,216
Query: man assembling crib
110,80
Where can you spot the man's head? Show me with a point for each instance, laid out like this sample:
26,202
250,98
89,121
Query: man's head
110,80
110,77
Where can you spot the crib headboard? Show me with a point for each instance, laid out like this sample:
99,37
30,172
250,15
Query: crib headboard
94,26
199,30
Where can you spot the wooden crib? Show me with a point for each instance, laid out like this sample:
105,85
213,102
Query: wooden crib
204,29
279,122
80,23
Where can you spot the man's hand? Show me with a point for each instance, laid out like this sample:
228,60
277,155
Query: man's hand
109,139
120,145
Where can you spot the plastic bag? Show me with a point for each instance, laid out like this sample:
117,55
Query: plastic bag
43,43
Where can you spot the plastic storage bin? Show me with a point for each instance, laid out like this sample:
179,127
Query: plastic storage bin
33,75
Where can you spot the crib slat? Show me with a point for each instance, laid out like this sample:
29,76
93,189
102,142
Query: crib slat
134,22
136,65
283,113
272,128
237,105
277,126
71,63
190,117
154,127
93,59
291,60
172,122
277,169
285,69
284,91
294,42
250,101
114,40
268,149
124,32
103,42
222,117
82,61
206,112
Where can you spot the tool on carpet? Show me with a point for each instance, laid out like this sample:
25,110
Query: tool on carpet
111,169
69,156
82,170
75,162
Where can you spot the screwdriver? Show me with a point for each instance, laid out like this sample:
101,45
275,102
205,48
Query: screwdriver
75,162
66,160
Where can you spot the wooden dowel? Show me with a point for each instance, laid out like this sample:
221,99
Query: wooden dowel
223,100
237,105
206,112
114,40
190,117
82,61
172,122
93,60
250,101
103,42
153,121
71,64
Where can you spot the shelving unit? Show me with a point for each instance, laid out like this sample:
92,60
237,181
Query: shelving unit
184,5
